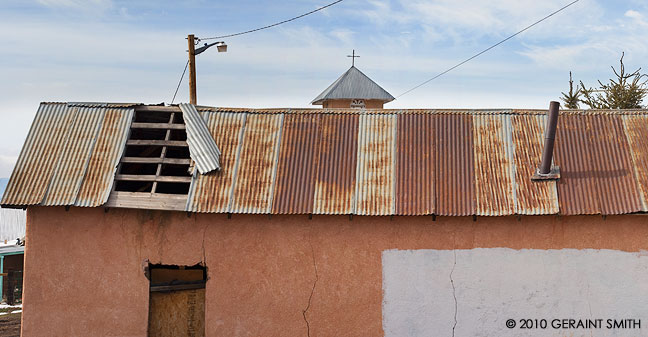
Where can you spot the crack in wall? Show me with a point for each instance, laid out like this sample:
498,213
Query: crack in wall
310,298
204,260
454,294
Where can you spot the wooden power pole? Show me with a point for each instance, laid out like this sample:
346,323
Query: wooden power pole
192,69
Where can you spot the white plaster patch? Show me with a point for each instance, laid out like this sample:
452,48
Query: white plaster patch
496,284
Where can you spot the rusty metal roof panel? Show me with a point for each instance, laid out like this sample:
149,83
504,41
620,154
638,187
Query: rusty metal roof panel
211,192
636,129
415,164
375,172
253,187
107,151
533,198
577,187
297,167
615,178
494,170
454,170
335,180
202,147
74,156
39,155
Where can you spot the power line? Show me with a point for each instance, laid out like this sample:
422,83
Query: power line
179,82
275,24
487,49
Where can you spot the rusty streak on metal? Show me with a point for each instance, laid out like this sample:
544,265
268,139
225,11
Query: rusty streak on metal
533,198
494,176
335,184
257,160
375,165
211,192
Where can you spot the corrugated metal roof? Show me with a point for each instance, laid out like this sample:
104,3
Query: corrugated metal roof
336,173
202,147
353,84
613,169
103,162
533,197
494,169
372,162
415,165
636,129
211,192
455,170
256,165
298,161
58,152
74,156
376,165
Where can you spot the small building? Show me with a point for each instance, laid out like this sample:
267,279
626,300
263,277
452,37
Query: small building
150,220
353,90
12,247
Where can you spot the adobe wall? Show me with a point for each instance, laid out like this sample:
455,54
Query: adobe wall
84,275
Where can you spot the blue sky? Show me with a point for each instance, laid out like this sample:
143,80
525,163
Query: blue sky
134,51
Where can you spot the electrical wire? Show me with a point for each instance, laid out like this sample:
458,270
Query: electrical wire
487,49
274,24
180,82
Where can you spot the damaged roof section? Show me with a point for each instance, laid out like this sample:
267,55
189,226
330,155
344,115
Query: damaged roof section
202,147
364,162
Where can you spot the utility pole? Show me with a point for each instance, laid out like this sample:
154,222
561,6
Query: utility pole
191,40
192,69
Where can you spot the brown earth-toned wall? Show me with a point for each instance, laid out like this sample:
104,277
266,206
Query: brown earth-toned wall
84,272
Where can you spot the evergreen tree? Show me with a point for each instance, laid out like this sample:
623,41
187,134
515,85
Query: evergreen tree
572,98
627,91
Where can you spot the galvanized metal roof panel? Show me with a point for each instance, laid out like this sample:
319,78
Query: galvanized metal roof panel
614,172
454,170
107,151
415,165
211,192
533,197
74,156
298,162
202,147
256,165
336,174
494,170
39,156
636,130
375,172
353,84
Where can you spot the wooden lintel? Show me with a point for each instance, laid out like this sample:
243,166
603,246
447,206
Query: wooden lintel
179,143
176,287
146,200
151,177
158,108
156,160
174,126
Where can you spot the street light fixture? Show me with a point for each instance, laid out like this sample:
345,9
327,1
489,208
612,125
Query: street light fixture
193,51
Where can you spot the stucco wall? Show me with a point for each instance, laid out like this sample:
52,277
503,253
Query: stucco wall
84,271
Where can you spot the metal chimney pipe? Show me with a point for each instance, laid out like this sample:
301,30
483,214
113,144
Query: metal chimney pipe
550,137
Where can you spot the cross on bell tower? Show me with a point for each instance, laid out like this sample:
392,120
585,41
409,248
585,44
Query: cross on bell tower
353,57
